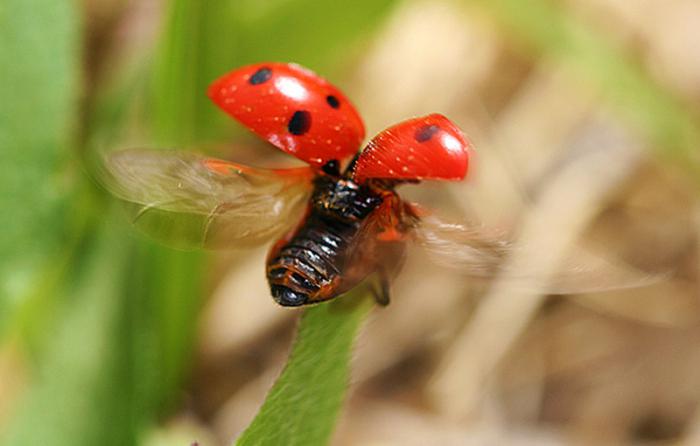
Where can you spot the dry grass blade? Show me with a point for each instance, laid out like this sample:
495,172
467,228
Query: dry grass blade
568,202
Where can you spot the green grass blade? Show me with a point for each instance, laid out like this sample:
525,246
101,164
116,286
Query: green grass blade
118,349
74,399
203,40
303,404
39,68
163,296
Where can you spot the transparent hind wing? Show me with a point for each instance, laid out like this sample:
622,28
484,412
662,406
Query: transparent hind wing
475,252
189,200
468,249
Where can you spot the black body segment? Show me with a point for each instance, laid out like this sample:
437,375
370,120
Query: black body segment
317,255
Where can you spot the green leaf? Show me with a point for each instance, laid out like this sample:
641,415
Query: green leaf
39,68
303,404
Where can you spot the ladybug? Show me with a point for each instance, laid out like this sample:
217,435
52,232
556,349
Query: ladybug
349,222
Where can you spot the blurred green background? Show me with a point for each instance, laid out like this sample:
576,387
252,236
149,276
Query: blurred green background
101,330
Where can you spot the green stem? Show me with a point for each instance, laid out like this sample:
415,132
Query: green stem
304,402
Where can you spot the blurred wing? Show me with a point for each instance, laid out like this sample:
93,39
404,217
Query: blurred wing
191,200
477,253
470,250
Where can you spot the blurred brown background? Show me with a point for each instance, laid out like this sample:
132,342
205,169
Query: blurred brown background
584,115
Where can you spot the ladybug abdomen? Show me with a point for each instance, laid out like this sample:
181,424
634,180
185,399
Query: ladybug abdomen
311,265
312,260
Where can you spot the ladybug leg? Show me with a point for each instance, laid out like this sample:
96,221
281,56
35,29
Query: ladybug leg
388,216
381,295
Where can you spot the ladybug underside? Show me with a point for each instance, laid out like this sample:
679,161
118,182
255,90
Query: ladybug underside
337,245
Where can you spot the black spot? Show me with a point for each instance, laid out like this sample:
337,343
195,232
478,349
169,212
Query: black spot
331,168
332,101
300,122
261,76
424,133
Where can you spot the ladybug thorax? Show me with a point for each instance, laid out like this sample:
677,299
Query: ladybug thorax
342,199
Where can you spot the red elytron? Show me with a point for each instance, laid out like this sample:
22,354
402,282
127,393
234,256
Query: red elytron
355,224
427,148
293,109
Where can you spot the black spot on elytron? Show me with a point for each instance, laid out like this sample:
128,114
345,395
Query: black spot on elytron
300,123
333,101
261,76
426,132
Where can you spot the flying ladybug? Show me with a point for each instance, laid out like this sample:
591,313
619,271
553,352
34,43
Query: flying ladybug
340,217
